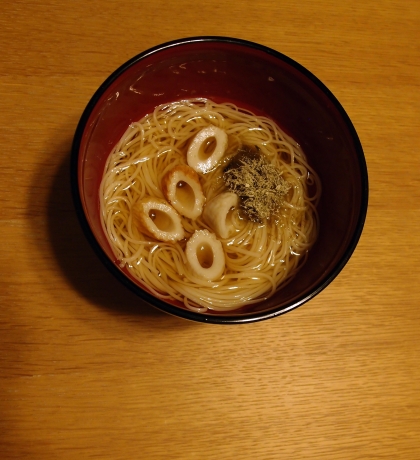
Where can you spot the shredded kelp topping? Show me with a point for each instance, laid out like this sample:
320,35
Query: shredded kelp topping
260,186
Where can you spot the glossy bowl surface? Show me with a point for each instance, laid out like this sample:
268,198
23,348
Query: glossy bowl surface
256,78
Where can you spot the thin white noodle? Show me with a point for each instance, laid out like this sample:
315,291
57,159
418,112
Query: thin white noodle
260,258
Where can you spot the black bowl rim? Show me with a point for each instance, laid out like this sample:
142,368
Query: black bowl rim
171,309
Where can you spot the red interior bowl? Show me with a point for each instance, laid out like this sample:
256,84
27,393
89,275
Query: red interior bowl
254,77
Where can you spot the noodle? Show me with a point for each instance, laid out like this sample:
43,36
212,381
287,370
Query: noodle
260,257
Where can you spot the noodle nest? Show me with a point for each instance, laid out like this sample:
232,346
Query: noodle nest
260,256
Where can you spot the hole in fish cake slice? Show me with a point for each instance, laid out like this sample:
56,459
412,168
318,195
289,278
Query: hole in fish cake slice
205,255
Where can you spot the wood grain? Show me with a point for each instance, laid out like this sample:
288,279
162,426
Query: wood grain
88,371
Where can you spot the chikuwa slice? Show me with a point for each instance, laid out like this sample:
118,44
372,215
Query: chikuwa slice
218,213
207,149
205,255
181,187
158,219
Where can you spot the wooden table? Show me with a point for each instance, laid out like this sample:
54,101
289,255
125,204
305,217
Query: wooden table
88,371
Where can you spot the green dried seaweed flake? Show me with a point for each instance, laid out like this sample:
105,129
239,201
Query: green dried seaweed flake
259,184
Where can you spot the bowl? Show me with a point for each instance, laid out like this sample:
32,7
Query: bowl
253,77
